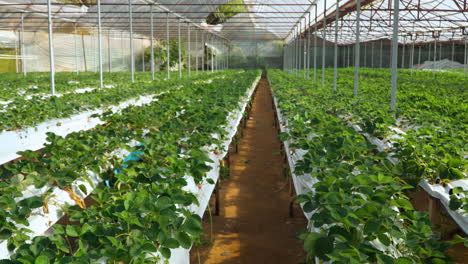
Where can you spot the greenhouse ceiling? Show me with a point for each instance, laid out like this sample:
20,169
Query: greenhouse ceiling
256,20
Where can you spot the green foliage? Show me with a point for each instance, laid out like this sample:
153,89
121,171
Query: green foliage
145,209
226,11
360,211
160,55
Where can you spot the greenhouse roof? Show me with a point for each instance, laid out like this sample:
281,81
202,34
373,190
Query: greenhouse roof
420,20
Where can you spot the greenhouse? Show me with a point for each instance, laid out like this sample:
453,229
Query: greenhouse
233,131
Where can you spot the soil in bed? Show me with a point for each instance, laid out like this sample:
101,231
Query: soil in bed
254,224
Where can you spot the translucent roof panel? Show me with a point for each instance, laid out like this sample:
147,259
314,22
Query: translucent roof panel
254,20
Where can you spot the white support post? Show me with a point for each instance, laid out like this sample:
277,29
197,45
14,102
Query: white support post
315,45
51,47
308,47
132,55
453,50
381,53
101,82
109,54
143,55
396,10
76,49
203,52
212,53
16,51
357,48
168,48
335,59
419,55
23,50
466,59
372,54
189,58
179,50
304,54
152,43
324,43
197,50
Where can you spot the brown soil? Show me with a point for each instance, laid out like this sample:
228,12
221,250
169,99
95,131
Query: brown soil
254,224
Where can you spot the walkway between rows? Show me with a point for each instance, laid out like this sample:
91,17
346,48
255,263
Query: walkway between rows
254,226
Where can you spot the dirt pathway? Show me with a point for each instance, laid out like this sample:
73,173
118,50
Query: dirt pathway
254,226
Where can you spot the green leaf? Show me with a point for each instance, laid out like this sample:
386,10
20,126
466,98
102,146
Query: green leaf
72,230
384,239
165,252
42,260
184,240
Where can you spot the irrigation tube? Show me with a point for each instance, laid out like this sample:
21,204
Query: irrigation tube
51,48
101,82
357,47
132,56
396,4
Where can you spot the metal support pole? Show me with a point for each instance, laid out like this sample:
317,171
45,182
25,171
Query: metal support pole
109,55
197,49
396,10
381,53
23,50
324,49
76,50
419,55
101,81
403,54
315,45
179,48
335,62
304,54
412,56
453,51
204,49
189,58
132,56
51,48
357,48
152,43
143,55
308,47
372,54
349,56
466,60
16,52
212,54
435,57
365,55
168,48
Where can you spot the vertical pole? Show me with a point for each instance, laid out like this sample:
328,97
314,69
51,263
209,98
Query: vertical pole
357,48
308,47
23,50
372,54
204,49
315,45
51,48
349,56
101,82
381,53
365,55
396,10
412,56
143,55
189,58
324,51
435,57
453,50
419,55
109,55
197,49
132,56
76,50
335,62
16,52
152,43
168,48
179,48
466,59
304,52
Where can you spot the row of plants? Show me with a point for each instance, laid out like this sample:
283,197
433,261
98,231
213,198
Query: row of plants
360,209
24,112
15,86
139,212
431,112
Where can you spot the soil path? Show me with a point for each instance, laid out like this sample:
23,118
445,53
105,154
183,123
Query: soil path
254,226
